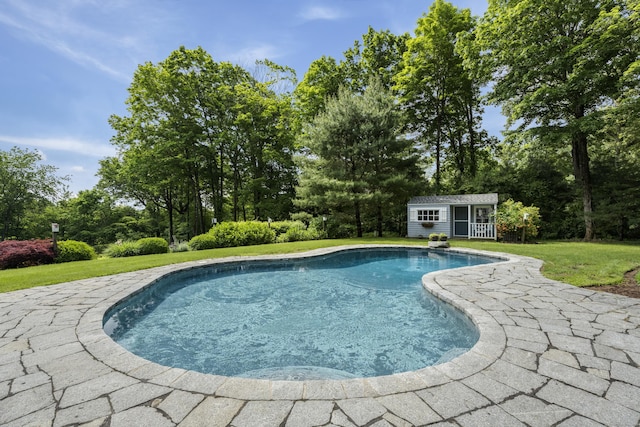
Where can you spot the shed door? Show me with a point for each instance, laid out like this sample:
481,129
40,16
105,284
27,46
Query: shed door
461,221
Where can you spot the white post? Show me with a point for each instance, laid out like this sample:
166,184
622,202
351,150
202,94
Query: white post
495,228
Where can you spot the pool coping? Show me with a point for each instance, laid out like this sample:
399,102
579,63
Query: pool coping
548,354
491,343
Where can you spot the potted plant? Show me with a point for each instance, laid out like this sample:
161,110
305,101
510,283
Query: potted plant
438,240
427,224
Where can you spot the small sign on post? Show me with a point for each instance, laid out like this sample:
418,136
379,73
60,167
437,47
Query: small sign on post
55,229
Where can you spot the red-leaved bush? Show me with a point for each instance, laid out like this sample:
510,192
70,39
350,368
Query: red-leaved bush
25,253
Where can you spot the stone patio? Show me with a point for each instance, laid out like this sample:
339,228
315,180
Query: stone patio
549,354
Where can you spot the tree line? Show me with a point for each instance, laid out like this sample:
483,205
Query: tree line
396,116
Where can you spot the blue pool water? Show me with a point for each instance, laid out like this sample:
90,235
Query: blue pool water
355,313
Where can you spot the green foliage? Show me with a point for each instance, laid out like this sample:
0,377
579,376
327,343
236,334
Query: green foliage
144,246
299,232
357,163
179,247
202,242
122,249
440,96
25,185
434,237
443,237
281,227
304,217
376,57
152,245
514,217
576,263
73,250
200,127
231,234
615,169
555,68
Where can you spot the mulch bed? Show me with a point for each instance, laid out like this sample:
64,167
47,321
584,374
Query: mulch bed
629,286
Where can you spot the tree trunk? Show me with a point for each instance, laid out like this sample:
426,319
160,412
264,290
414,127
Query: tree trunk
582,173
169,203
358,219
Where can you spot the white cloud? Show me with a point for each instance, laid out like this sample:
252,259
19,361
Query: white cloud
321,13
78,169
87,34
73,145
249,55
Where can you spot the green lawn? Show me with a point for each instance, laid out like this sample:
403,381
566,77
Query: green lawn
580,264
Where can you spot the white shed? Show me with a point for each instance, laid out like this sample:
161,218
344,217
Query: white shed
469,216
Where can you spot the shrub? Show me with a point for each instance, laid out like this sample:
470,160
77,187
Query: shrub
152,245
73,250
510,218
14,253
443,237
231,234
202,242
340,230
179,247
225,235
298,234
281,227
122,249
434,237
255,233
304,217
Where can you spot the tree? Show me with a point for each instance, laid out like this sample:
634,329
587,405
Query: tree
321,82
198,132
376,58
354,158
555,66
440,96
24,185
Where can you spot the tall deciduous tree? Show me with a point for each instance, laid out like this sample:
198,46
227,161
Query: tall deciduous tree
555,65
199,131
377,57
24,184
354,158
440,96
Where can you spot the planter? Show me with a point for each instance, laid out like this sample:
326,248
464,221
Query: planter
438,244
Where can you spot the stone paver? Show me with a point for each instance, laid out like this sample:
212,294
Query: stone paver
548,355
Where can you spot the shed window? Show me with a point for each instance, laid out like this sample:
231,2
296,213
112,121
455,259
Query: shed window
432,215
428,214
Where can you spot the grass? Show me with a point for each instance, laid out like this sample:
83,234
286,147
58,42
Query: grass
576,263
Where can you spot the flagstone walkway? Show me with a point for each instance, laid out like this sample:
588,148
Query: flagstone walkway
549,354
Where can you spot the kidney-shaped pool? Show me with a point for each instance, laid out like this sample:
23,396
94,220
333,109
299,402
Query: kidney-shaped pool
352,313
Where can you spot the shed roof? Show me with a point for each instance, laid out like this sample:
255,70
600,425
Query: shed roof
460,199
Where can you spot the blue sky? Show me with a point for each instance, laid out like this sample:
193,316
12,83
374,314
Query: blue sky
66,64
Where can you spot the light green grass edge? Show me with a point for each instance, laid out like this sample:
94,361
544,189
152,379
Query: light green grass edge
576,263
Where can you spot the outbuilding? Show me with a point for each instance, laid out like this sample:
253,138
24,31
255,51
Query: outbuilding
469,216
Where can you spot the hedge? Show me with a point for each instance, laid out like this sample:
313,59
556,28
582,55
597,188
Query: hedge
231,234
73,250
152,245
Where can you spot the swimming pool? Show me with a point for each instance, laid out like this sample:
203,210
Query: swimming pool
353,313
